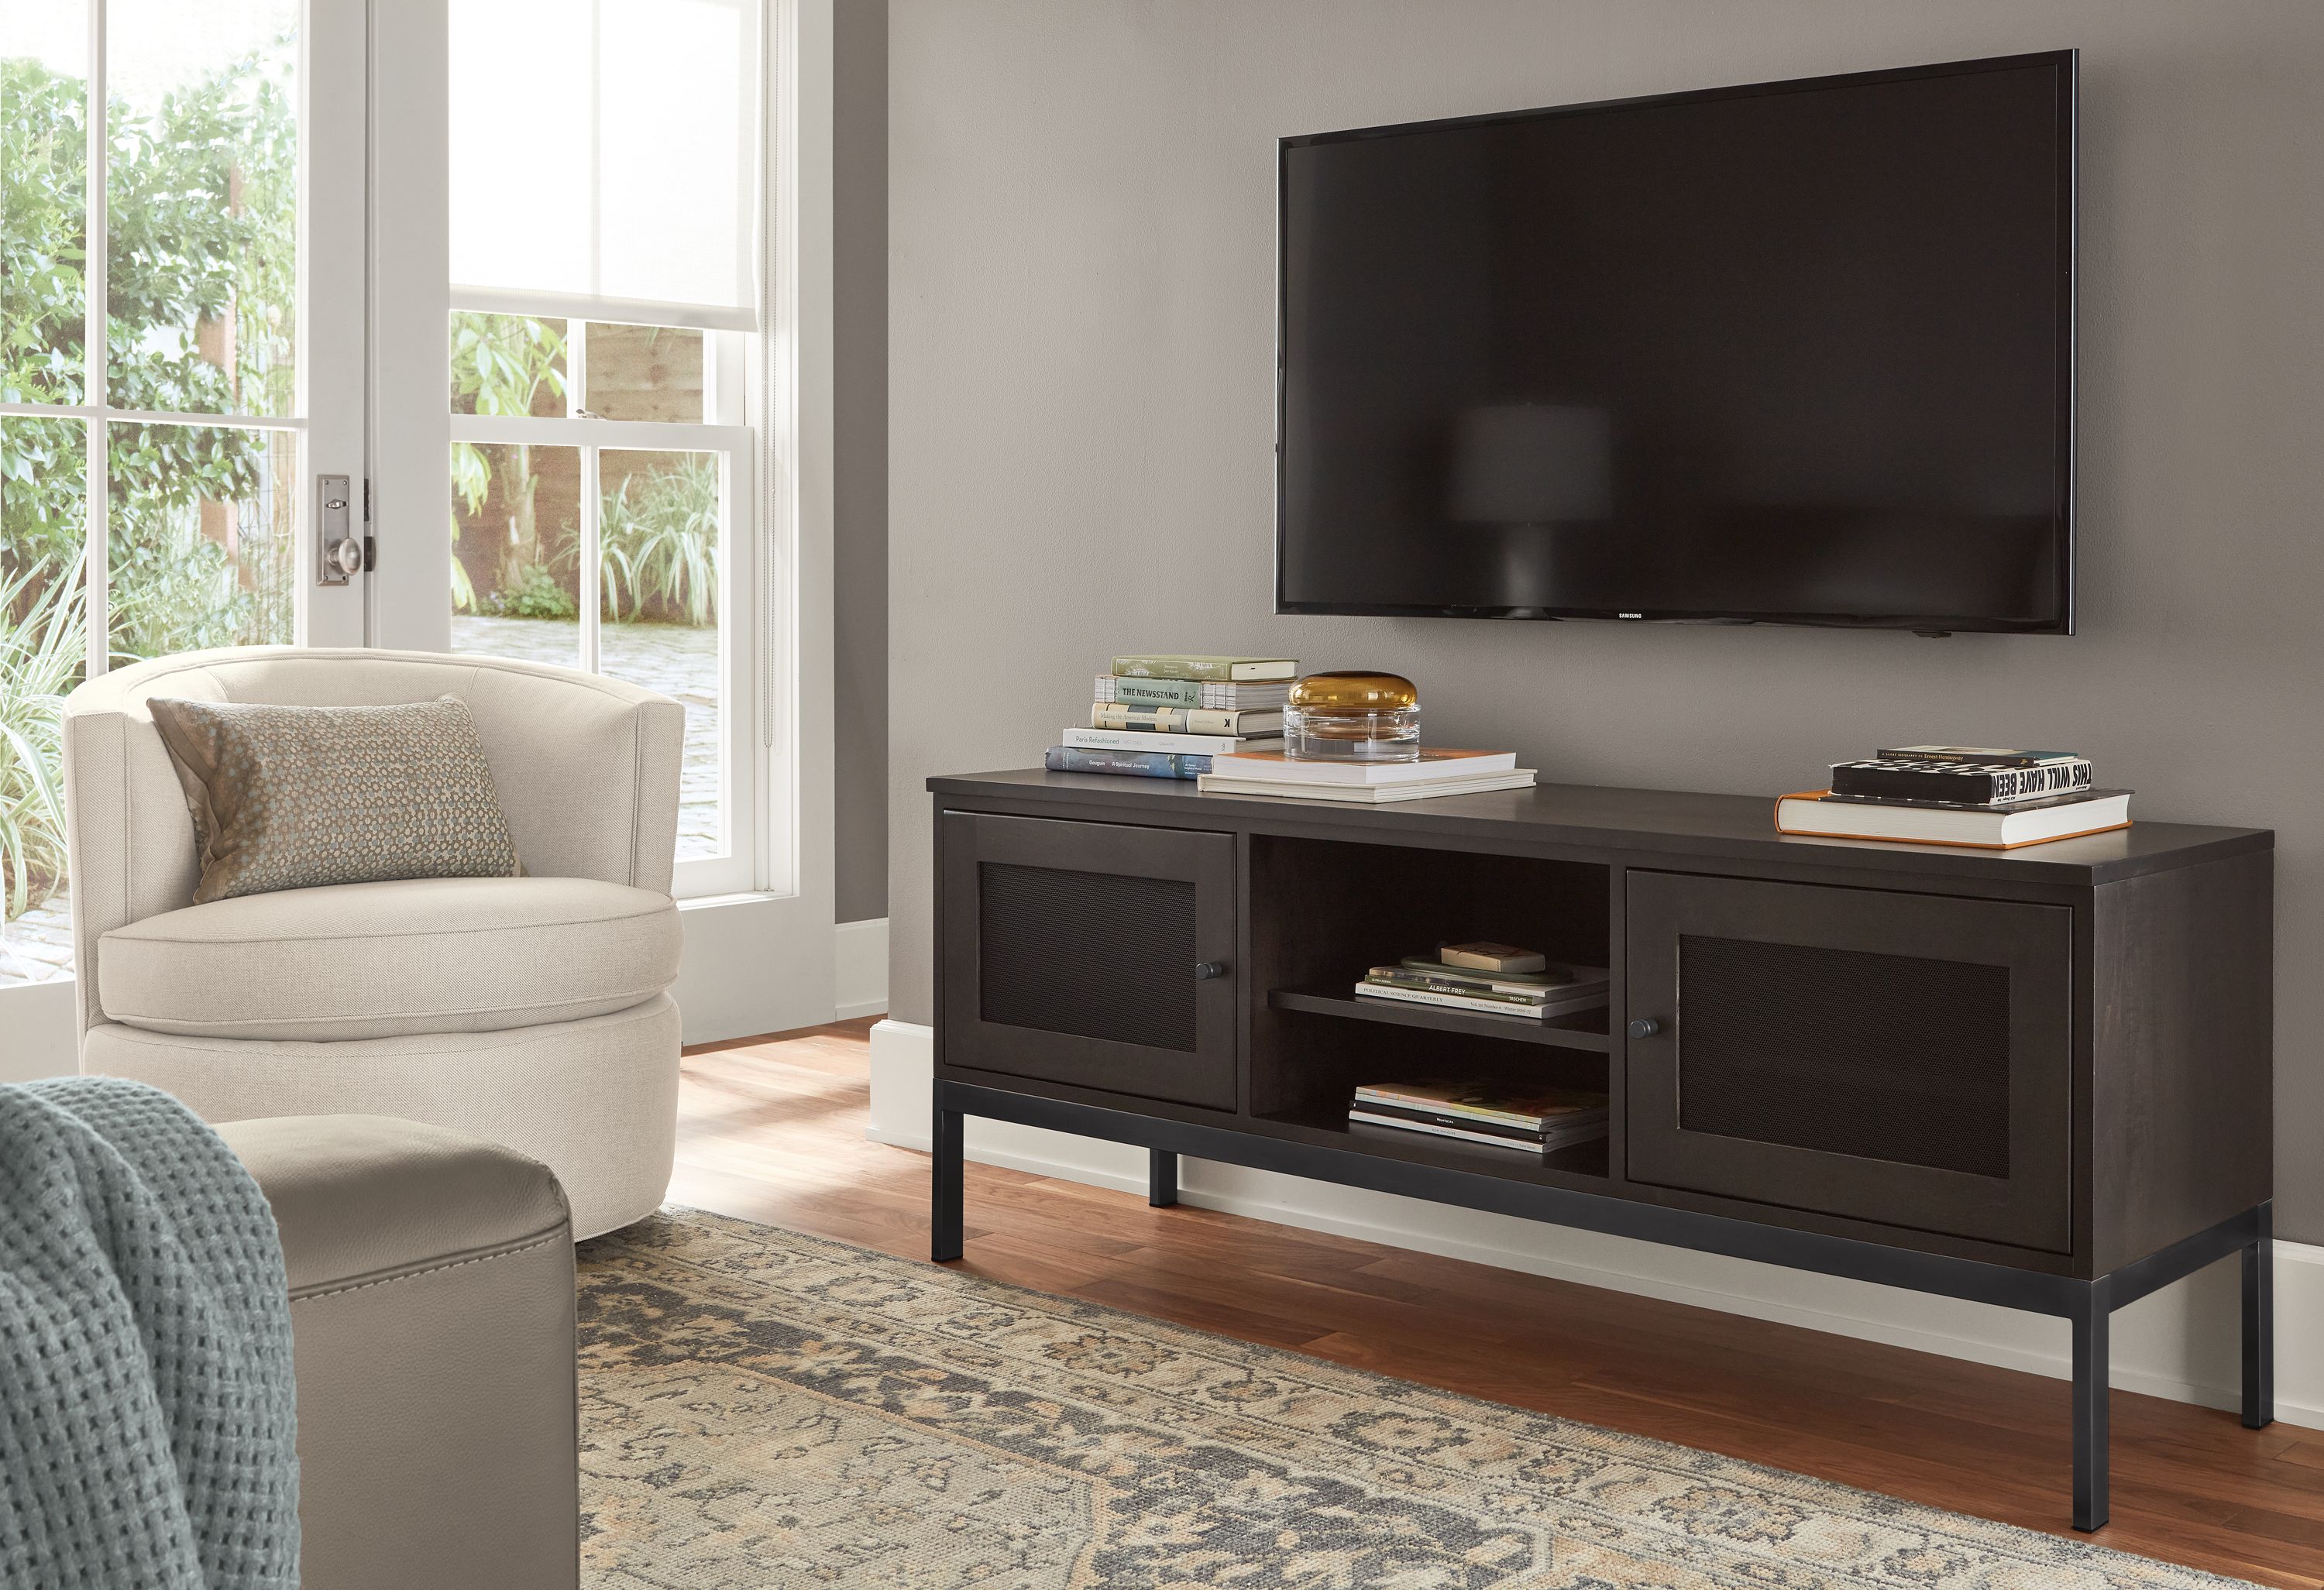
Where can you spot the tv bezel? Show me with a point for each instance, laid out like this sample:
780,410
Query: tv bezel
2066,66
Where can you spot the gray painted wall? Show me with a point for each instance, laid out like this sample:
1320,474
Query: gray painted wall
859,312
1081,325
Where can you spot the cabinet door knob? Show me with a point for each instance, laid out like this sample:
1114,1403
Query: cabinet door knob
1205,970
1646,1027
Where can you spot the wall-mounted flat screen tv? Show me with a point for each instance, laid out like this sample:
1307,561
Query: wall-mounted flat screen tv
1798,352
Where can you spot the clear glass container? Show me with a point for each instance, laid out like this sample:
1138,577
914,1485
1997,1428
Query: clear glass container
1353,717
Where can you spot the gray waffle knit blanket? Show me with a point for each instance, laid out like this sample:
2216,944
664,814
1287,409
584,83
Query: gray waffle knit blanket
146,1414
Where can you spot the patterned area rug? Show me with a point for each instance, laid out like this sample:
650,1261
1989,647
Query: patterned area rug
760,1408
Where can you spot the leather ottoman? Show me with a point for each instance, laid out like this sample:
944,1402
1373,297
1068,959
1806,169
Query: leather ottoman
431,1307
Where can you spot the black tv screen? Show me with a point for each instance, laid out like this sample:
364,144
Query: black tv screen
1797,353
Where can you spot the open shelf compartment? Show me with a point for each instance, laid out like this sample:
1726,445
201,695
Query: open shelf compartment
1325,912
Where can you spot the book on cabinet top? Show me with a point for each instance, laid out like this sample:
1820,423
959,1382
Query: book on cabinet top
1820,814
1369,794
1241,723
1998,754
1962,783
1170,741
1200,665
1435,762
1076,759
1216,694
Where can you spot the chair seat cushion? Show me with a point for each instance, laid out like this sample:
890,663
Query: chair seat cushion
385,960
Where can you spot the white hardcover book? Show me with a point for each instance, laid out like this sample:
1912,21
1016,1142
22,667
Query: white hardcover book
1436,762
1382,795
1242,723
1813,816
1146,739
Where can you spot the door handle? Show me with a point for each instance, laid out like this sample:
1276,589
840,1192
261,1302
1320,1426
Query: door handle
341,554
1646,1027
1206,969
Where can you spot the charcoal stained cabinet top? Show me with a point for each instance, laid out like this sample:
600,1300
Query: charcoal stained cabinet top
2055,1058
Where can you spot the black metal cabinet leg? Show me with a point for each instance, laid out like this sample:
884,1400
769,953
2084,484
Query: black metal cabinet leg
946,1193
1161,1177
2090,1320
2259,1324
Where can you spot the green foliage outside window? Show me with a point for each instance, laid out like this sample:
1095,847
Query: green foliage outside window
202,213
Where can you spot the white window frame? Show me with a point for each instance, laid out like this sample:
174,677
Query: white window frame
733,425
757,958
326,414
738,446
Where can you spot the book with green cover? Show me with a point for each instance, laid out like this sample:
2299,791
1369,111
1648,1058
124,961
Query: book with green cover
1224,695
1192,665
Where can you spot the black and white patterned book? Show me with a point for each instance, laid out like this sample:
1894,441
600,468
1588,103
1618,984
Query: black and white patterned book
1902,775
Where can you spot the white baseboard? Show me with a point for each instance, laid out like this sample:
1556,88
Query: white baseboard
751,964
37,1035
859,965
2180,1343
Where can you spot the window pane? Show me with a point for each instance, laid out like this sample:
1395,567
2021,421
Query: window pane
516,552
202,210
507,364
661,528
43,198
644,373
623,168
43,643
204,547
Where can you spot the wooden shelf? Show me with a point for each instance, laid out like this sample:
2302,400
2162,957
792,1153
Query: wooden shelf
1584,1029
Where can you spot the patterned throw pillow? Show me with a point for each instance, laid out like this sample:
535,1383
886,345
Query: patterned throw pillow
292,797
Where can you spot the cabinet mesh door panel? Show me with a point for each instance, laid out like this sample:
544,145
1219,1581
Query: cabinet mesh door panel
1094,954
1885,1057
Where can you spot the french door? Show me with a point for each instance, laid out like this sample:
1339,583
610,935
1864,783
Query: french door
182,390
524,301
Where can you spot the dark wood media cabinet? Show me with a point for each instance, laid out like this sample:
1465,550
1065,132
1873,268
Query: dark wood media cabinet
2039,1078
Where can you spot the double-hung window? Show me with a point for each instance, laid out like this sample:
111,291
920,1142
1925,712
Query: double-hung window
605,370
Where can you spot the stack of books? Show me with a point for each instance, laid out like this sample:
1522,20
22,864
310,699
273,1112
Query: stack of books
1168,715
1534,1119
1493,980
1438,772
1980,797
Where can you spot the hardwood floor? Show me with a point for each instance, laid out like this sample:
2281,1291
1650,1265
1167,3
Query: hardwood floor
772,1130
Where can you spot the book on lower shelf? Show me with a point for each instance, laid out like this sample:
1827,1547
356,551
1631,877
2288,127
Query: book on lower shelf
1585,989
1534,1119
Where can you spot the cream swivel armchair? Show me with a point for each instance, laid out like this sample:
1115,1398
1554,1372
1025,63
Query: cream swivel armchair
531,1011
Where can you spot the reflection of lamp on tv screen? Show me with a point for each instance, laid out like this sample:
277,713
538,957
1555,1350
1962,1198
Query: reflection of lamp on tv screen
1522,468
1793,353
